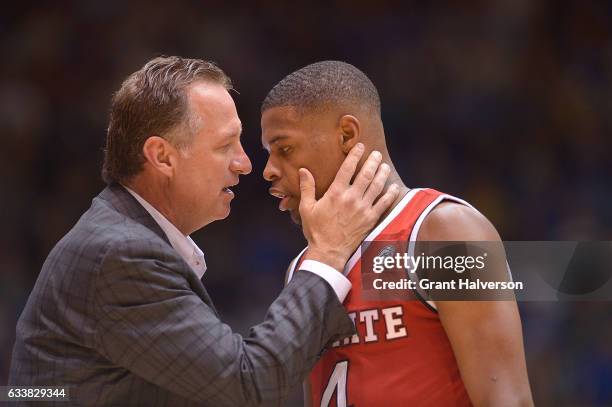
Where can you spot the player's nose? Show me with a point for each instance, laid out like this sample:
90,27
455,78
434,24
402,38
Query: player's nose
270,172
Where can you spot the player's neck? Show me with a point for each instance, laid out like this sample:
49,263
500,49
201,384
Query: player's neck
394,178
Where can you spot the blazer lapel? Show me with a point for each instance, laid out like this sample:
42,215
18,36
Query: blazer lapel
126,204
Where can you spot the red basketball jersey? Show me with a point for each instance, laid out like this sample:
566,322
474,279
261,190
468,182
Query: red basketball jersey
401,355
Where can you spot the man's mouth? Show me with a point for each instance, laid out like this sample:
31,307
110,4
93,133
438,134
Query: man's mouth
284,203
227,190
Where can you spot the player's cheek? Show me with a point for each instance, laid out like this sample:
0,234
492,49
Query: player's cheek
294,181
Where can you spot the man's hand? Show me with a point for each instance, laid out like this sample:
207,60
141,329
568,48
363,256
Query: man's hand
338,222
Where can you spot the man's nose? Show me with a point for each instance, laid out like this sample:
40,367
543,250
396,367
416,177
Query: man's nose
241,164
270,172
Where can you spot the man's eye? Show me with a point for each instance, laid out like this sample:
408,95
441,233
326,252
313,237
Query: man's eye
285,150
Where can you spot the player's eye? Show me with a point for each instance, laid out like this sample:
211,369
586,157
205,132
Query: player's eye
285,150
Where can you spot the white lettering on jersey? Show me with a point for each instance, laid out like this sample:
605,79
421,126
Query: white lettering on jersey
393,318
395,326
369,316
355,338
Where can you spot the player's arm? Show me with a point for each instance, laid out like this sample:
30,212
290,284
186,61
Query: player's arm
486,336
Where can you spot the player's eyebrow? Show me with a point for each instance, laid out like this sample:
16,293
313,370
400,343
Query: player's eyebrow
275,139
278,138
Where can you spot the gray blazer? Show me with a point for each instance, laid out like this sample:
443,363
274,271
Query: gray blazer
120,318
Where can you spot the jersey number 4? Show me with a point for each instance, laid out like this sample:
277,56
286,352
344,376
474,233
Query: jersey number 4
336,384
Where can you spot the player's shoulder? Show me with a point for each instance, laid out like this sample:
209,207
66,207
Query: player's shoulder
456,221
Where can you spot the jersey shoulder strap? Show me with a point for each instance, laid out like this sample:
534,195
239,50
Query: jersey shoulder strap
293,265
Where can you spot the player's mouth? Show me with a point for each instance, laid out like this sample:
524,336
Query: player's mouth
284,203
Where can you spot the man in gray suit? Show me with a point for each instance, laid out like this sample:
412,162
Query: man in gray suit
119,313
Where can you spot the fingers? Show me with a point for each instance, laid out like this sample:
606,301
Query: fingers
367,173
307,188
378,183
348,167
386,200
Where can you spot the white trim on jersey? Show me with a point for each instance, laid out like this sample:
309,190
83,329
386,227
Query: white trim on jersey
291,267
380,227
421,218
415,233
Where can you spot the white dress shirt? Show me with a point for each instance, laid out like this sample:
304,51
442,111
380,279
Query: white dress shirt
193,255
183,244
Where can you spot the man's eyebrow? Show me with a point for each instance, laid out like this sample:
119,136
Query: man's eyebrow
234,134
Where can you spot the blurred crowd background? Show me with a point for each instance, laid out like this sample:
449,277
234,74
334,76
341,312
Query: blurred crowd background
505,103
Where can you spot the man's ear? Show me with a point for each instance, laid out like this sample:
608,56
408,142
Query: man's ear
350,129
160,155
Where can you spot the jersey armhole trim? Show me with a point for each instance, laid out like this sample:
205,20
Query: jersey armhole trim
431,305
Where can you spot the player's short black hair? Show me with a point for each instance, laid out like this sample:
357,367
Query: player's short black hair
322,84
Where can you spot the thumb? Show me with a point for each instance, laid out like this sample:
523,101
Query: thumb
307,187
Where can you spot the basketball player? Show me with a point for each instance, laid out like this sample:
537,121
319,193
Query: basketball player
442,353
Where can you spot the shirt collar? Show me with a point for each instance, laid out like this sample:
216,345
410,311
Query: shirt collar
183,244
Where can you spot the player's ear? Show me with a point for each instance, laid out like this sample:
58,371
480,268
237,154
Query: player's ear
349,128
160,155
